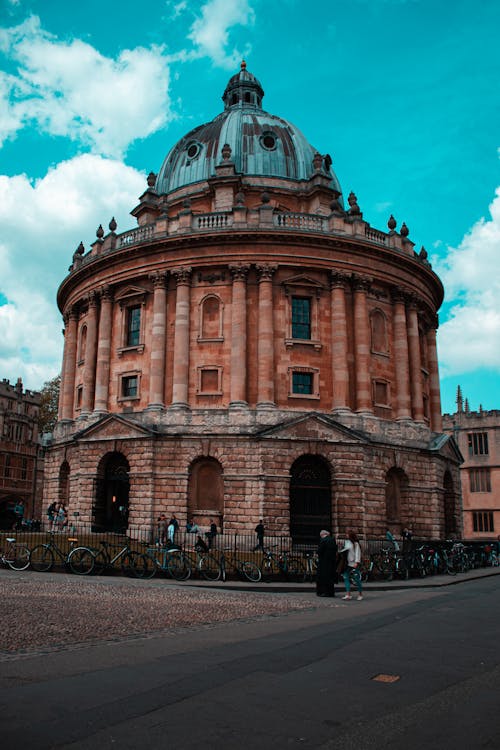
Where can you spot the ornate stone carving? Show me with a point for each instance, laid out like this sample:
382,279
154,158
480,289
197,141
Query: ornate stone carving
158,278
239,273
266,271
182,275
339,279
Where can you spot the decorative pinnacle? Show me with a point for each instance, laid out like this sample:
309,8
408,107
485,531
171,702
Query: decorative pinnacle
243,65
100,232
113,224
151,179
391,223
80,249
404,231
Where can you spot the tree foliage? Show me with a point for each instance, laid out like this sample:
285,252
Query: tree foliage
47,416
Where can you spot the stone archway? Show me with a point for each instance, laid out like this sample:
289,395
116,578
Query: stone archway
396,497
310,499
111,498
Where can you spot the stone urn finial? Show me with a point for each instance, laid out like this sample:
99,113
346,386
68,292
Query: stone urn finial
100,232
151,180
353,202
404,231
226,152
317,161
391,223
113,225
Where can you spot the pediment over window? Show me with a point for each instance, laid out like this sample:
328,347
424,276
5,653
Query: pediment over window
315,426
303,284
446,446
113,428
131,294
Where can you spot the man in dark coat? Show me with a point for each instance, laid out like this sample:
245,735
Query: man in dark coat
327,563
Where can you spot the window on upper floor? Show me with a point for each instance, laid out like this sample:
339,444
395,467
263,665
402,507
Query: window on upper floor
479,480
82,344
301,318
303,382
133,331
482,520
24,468
6,467
378,326
211,319
478,443
130,386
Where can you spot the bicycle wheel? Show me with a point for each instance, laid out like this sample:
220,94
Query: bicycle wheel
130,564
295,568
251,571
209,568
81,561
144,565
268,569
178,567
19,557
402,569
42,558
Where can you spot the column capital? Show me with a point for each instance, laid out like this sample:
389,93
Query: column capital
71,312
158,279
239,272
266,271
361,283
92,298
339,279
399,294
182,275
106,292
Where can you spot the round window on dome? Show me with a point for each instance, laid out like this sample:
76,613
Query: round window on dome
268,140
193,149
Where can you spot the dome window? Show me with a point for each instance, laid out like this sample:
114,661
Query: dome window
193,150
268,140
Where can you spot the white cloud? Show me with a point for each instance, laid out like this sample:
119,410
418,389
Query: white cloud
470,338
42,224
69,89
210,31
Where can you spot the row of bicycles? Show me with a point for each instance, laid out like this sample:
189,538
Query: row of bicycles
386,563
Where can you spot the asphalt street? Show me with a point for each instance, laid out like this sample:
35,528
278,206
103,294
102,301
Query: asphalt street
412,668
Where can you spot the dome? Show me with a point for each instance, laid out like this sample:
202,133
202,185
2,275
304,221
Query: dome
261,144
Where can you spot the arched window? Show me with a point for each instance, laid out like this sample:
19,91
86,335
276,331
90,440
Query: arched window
310,499
396,496
64,472
211,318
82,344
111,503
206,490
378,325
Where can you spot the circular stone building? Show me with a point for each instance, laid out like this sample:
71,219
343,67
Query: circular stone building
252,349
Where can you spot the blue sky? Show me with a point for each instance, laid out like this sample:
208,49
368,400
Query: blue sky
403,94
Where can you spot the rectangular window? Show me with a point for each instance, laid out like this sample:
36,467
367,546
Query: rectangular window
6,471
130,386
79,396
133,326
479,480
380,394
478,443
24,466
482,521
302,382
301,318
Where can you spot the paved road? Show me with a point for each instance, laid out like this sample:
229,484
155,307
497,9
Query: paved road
304,679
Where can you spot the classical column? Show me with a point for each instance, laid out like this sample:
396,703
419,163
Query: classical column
417,400
239,337
90,356
66,398
158,342
103,352
265,365
340,370
181,338
401,362
434,388
362,345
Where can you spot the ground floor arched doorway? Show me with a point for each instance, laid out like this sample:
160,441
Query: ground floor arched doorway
111,504
310,499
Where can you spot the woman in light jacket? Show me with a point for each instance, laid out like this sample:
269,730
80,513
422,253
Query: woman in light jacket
353,550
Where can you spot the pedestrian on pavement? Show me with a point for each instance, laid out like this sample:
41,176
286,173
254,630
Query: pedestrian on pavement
259,530
212,533
175,523
353,549
392,539
327,563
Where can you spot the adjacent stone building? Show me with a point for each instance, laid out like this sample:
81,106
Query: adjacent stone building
21,456
477,433
252,349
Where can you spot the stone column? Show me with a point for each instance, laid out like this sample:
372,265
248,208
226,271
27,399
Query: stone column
434,387
340,370
265,365
90,357
239,337
158,342
417,400
181,339
103,352
362,345
401,363
67,395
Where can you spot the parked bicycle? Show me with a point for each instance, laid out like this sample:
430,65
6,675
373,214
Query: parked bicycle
204,564
244,569
286,564
86,560
311,566
170,560
43,556
14,554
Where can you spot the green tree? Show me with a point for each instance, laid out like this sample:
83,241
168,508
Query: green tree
47,416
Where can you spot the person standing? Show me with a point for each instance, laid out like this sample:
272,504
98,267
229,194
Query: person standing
327,559
212,533
259,530
353,550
